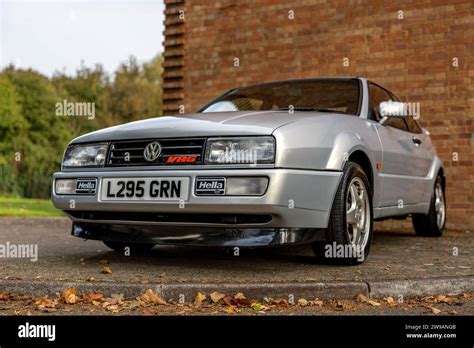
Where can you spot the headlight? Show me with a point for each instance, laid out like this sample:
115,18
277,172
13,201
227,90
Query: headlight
85,155
251,150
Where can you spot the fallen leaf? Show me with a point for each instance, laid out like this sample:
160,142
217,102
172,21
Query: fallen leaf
106,270
434,310
90,279
365,299
70,296
115,299
93,296
228,300
4,296
341,305
200,297
258,307
283,302
96,303
230,309
240,299
428,299
374,303
362,298
147,312
113,308
46,302
133,304
443,299
217,296
302,302
239,296
150,297
316,303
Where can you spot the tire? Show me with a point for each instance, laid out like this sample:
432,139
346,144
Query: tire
355,236
432,224
135,248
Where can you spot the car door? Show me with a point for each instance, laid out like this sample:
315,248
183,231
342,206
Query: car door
404,162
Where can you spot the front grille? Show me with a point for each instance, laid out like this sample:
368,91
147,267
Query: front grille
130,152
229,219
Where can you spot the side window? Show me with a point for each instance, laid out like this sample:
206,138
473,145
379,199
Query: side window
412,125
376,96
396,122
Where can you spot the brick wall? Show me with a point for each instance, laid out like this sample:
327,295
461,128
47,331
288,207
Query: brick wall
422,50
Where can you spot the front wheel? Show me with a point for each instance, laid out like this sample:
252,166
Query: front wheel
432,224
349,231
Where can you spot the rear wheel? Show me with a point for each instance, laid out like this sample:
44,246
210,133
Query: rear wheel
349,231
134,248
432,224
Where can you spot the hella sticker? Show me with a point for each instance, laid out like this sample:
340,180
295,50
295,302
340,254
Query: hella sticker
210,186
86,185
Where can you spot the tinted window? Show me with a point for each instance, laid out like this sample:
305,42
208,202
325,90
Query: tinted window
412,125
336,95
376,96
396,122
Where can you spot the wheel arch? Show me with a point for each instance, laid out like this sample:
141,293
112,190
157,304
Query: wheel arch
443,177
361,158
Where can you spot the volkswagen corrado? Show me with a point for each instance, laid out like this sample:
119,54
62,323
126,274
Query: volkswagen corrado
300,161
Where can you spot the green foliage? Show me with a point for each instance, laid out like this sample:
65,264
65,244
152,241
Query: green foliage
136,92
29,124
12,124
90,86
23,207
42,145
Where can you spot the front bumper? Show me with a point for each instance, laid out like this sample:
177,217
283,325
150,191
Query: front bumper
296,201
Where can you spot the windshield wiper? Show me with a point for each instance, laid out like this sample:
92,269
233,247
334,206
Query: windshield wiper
310,108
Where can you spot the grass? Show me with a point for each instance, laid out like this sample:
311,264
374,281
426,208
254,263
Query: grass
26,207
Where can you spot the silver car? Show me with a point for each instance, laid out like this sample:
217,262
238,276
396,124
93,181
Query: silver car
299,161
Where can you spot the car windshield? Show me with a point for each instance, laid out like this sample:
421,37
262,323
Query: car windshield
327,95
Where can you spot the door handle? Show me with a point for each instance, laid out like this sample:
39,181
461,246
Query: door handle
416,141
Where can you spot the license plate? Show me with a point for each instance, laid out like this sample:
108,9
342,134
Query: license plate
144,189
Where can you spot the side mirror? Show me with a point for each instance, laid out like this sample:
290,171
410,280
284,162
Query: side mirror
393,109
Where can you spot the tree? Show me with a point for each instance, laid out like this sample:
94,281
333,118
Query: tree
136,92
89,85
12,125
30,127
42,146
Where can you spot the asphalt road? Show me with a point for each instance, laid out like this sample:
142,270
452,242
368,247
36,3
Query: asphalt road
394,255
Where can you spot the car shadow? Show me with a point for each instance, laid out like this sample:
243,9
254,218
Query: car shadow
217,257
